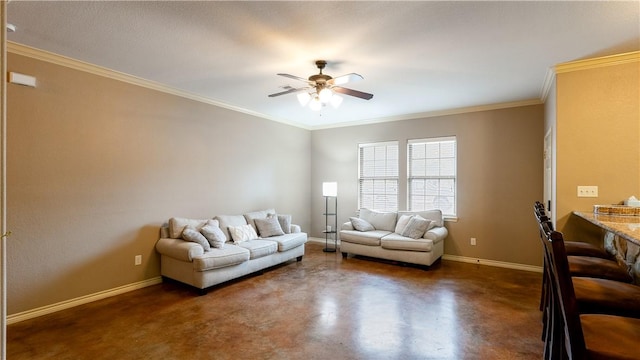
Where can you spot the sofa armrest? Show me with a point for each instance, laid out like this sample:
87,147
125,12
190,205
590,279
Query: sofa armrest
179,249
347,226
436,234
295,229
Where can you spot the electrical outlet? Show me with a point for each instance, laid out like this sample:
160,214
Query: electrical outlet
473,241
138,260
587,191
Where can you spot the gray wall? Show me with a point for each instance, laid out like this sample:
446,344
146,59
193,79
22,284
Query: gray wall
96,165
500,167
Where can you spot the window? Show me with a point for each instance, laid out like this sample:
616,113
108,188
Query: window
432,174
378,176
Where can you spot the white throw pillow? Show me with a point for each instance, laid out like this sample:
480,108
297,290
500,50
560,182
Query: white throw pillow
250,217
285,223
242,233
402,223
380,220
177,225
416,227
360,224
191,234
214,235
268,227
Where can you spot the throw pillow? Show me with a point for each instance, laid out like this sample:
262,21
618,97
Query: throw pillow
214,235
191,234
381,220
268,227
402,223
176,225
285,223
242,233
250,217
360,224
416,227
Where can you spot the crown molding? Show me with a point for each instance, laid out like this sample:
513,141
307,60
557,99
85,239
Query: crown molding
75,64
549,78
598,62
457,111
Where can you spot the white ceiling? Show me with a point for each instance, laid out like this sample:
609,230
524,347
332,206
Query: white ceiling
417,58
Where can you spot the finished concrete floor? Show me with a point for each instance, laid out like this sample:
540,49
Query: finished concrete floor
324,307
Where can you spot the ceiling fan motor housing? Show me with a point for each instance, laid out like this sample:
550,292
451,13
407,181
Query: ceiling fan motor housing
320,79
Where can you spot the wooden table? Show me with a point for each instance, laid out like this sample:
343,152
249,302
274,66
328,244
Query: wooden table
621,238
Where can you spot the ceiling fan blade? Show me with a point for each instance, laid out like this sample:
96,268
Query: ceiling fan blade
290,91
356,93
345,79
294,77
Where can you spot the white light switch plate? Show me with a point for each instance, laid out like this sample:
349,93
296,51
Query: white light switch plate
587,191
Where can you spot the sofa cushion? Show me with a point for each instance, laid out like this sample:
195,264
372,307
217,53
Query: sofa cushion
285,223
403,220
269,226
361,224
259,248
380,220
230,220
190,233
242,233
250,217
371,238
176,225
416,227
214,234
218,258
399,242
289,241
434,215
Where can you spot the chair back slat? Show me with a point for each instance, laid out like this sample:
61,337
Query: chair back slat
566,298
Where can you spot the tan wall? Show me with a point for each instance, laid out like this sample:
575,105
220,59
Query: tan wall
598,138
96,165
500,168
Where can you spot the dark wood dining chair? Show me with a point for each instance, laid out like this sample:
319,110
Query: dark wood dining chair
577,335
574,248
579,266
593,295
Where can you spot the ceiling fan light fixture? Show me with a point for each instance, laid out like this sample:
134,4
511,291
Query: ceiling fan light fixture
303,98
336,100
325,95
315,104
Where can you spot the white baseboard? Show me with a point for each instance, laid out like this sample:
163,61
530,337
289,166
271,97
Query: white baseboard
320,240
30,314
465,259
501,264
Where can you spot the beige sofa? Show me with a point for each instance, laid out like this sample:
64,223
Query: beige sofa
386,239
190,263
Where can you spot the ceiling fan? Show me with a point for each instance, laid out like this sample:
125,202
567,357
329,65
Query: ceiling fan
321,88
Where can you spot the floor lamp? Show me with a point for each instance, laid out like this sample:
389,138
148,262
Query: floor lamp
330,189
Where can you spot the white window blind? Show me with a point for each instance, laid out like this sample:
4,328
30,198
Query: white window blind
432,174
378,176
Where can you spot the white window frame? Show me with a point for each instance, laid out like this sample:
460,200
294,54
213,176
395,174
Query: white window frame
443,193
383,179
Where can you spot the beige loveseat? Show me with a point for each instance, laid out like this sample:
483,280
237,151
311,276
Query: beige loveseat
389,235
222,255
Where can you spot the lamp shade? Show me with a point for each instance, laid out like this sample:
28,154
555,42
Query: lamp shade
330,189
303,98
315,104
